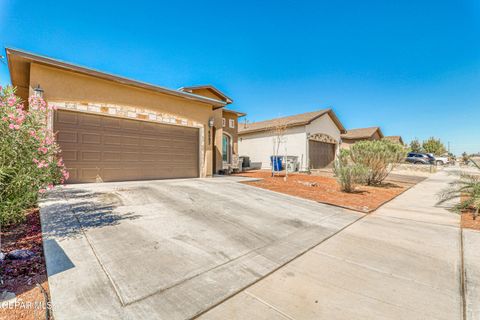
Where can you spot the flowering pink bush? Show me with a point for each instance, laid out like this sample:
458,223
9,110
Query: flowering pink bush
30,161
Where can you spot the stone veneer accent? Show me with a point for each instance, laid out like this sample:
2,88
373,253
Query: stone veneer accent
126,112
322,137
134,113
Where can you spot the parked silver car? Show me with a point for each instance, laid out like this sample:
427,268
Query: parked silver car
420,158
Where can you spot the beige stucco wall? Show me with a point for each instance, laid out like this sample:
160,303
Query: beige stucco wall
233,132
66,86
218,139
206,93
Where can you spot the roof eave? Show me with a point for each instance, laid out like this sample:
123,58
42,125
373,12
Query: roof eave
228,100
239,114
269,128
107,76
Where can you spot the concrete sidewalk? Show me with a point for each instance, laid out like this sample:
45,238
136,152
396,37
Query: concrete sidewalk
401,262
471,253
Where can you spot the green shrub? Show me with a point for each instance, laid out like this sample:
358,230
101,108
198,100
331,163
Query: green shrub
348,174
378,156
435,146
467,189
29,157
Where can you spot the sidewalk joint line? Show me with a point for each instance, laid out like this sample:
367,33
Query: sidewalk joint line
269,305
279,267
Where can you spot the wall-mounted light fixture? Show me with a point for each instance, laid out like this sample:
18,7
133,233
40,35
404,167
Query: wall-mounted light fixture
38,91
211,123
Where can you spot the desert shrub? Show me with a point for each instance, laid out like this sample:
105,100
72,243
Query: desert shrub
29,157
467,189
435,146
378,156
415,146
348,174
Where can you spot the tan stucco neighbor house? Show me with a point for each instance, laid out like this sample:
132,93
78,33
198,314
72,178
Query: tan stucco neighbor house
312,138
395,139
354,135
112,128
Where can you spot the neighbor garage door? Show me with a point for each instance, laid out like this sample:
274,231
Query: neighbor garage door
321,154
101,148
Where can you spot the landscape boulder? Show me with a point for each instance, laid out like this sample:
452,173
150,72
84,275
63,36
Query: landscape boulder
20,254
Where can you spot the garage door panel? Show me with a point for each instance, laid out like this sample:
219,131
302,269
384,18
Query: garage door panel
88,174
111,156
148,142
130,125
90,138
69,155
130,156
157,157
65,136
66,118
115,149
90,156
111,123
321,154
89,120
112,139
131,140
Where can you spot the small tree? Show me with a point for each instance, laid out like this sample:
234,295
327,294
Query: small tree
378,156
465,157
279,128
435,146
415,146
467,189
348,174
29,157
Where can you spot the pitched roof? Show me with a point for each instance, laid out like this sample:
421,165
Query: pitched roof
362,133
217,92
397,139
238,113
289,121
20,58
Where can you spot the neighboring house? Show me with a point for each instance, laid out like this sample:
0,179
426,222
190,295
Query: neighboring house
312,137
354,135
113,129
395,139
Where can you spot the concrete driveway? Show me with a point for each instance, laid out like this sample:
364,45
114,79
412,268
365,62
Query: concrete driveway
171,249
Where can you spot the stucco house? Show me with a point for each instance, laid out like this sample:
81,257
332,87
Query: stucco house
111,128
354,135
395,139
312,137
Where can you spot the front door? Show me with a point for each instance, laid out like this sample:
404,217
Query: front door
226,149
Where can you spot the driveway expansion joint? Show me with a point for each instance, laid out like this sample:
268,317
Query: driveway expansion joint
90,244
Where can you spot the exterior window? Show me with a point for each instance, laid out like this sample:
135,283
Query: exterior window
231,123
226,148
223,122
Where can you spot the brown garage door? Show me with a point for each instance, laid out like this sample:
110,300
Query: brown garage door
102,148
321,154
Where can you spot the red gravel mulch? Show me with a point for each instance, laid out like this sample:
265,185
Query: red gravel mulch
22,276
327,190
469,223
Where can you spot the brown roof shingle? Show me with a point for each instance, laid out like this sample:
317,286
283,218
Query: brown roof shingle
289,121
361,133
396,139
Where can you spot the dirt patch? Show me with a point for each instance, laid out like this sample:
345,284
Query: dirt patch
326,190
468,222
22,277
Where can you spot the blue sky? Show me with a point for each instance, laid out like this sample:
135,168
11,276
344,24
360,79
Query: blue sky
411,67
